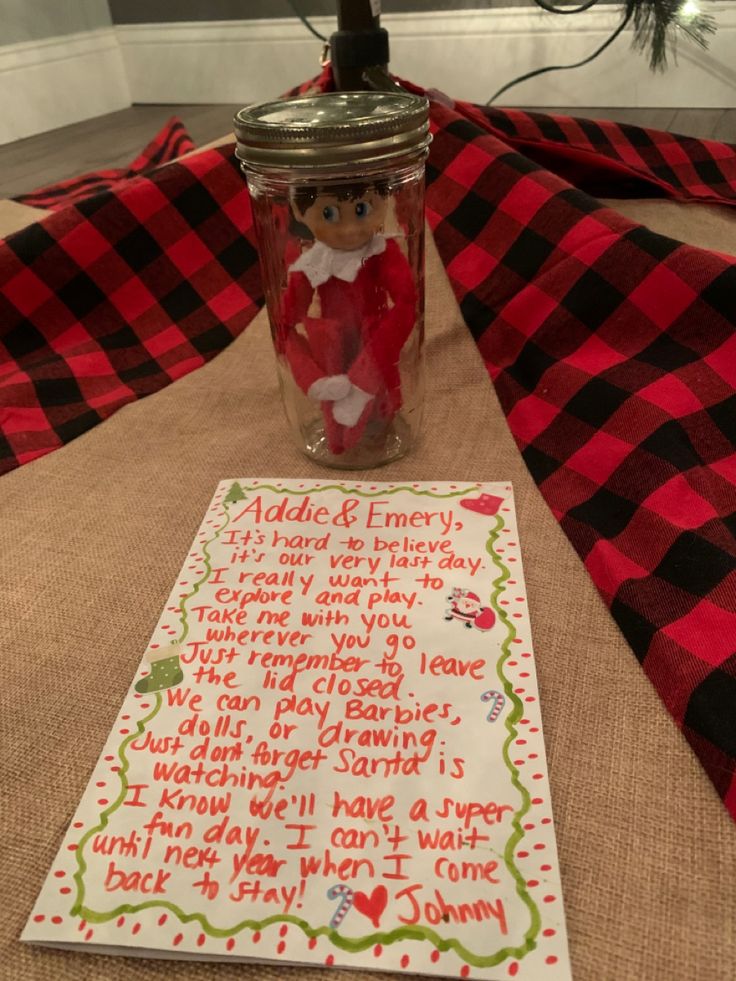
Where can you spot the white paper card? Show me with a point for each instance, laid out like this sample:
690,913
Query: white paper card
332,752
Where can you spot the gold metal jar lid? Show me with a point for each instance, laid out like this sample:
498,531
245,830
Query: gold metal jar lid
344,130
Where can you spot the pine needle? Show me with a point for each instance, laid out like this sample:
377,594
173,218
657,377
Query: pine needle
657,24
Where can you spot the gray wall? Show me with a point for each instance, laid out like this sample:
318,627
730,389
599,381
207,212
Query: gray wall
161,11
32,20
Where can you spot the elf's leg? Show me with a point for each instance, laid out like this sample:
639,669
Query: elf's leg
165,670
333,430
353,434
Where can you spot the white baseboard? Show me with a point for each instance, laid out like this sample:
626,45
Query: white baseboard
61,80
467,53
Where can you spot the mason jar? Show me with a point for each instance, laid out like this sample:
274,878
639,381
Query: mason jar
337,187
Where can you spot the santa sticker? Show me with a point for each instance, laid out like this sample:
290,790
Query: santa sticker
466,607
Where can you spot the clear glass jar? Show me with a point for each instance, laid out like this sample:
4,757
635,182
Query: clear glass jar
337,185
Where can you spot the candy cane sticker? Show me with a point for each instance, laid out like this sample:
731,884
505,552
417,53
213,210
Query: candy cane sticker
346,901
497,700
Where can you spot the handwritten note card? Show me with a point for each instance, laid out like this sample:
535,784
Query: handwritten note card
332,753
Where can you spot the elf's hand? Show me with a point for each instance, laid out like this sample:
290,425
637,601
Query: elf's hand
349,409
330,388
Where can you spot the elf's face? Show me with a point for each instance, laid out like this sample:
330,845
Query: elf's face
346,225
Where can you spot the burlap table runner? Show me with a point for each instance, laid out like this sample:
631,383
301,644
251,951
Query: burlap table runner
14,216
94,534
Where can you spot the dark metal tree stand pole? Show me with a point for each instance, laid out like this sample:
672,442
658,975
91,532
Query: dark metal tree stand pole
358,46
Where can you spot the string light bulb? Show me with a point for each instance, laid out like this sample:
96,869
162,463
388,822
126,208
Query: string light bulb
689,10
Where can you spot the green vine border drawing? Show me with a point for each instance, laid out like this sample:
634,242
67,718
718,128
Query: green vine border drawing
353,945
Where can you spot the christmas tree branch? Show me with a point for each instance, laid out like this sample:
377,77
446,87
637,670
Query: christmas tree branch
656,24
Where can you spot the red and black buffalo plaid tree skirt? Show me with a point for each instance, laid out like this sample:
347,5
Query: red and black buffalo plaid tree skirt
612,349
171,142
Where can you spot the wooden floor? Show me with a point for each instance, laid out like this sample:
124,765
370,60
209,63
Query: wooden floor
116,139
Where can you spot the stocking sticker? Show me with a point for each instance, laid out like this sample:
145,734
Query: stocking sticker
165,670
486,504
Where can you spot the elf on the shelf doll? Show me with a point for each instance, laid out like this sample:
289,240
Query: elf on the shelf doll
346,354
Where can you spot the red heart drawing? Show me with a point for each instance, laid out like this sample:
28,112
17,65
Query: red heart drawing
485,504
372,906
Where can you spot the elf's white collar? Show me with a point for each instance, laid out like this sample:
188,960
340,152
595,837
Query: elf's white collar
320,262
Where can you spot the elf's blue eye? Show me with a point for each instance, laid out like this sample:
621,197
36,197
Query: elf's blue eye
363,209
331,213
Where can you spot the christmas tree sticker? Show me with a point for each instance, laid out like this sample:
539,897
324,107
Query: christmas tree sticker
235,494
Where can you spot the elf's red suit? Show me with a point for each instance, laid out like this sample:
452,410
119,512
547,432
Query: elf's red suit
367,311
